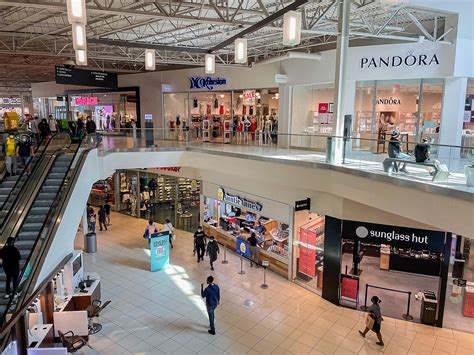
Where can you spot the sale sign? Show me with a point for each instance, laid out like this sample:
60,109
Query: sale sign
249,97
307,249
349,287
323,107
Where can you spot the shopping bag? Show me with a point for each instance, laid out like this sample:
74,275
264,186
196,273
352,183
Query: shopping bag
369,321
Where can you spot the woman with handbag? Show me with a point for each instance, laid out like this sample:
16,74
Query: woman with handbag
168,227
374,320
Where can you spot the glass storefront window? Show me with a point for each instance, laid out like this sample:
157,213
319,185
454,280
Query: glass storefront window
176,113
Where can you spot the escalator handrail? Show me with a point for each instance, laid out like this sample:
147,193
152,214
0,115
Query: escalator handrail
59,201
29,177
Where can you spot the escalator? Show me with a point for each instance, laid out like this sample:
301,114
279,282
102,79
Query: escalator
35,228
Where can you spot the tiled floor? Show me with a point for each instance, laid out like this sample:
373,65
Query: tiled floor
163,313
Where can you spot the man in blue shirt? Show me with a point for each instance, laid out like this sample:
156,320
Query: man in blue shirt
213,297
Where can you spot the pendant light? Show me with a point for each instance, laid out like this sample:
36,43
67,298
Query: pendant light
76,11
79,36
150,59
210,63
240,51
81,57
291,28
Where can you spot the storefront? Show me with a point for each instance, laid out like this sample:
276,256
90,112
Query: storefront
216,114
152,194
20,103
229,215
55,106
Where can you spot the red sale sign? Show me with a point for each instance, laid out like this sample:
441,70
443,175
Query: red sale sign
349,287
307,249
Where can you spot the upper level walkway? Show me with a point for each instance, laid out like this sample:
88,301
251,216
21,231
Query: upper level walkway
359,162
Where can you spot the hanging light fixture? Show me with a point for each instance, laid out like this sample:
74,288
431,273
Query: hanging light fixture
76,11
210,63
150,59
240,51
81,57
79,36
291,28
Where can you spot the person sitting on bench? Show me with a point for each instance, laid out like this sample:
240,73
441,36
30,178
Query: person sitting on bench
395,150
422,151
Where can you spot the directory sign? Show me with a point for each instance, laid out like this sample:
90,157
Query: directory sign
159,251
74,76
242,248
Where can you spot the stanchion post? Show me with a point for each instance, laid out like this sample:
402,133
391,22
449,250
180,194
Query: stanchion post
364,307
225,255
408,316
264,264
241,272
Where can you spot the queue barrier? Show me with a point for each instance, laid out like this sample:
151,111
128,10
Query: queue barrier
405,316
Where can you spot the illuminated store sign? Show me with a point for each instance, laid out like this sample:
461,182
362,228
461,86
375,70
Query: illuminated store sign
14,101
199,82
389,101
80,101
409,60
238,201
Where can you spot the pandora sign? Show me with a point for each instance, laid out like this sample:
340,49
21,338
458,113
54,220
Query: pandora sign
408,60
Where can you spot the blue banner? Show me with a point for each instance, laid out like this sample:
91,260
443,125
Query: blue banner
242,248
159,251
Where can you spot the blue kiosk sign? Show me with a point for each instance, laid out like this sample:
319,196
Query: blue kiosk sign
159,251
199,82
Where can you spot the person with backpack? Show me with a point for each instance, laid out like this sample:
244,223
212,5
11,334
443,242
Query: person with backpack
212,295
200,243
168,227
9,149
11,265
102,218
212,251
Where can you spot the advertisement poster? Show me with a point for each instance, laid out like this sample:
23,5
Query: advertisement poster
159,251
349,287
249,97
307,249
242,248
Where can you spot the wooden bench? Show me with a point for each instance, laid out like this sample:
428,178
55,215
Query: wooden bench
440,173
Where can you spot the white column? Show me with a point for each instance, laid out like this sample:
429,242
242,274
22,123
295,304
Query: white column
285,115
452,113
85,224
349,107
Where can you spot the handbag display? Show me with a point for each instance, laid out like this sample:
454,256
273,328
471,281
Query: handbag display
369,321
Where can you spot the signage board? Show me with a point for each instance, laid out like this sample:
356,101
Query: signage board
159,251
11,101
242,248
349,287
303,205
401,237
323,107
81,101
222,195
281,79
265,263
148,117
249,97
74,76
209,83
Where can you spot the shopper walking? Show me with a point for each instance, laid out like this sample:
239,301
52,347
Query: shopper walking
43,127
200,243
102,218
212,251
92,221
9,149
376,315
212,295
252,240
91,130
107,212
89,213
149,230
53,124
11,265
34,128
168,227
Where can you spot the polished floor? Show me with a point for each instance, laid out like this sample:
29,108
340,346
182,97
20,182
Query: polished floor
163,313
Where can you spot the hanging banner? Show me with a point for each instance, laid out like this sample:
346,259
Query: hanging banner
159,251
242,248
349,287
307,249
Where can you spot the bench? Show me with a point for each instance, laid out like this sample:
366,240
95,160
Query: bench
440,173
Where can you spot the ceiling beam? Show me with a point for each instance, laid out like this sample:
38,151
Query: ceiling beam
255,27
113,42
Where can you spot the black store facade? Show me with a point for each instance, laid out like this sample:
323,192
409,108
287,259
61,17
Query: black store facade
406,268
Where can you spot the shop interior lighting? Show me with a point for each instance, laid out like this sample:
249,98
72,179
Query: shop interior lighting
79,36
292,28
81,57
210,63
240,56
76,11
150,59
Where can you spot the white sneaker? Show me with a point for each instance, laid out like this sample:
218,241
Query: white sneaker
7,296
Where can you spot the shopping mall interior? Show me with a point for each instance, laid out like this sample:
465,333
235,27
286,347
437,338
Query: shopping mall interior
237,177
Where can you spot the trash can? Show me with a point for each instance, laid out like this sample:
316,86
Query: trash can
429,305
90,243
329,150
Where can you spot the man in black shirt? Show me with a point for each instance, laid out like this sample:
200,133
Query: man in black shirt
200,243
101,214
395,150
24,151
252,240
107,212
422,151
11,265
